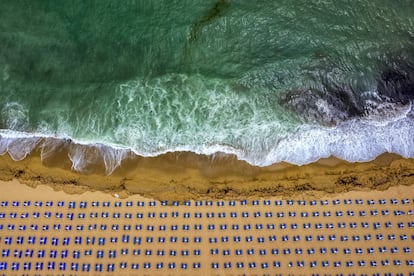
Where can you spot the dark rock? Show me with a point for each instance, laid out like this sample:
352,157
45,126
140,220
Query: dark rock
333,104
396,84
327,108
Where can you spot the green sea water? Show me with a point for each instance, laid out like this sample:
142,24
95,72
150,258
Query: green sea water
206,76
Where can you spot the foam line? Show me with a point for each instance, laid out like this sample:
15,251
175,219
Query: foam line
353,141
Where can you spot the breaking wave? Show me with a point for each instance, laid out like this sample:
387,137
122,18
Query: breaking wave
353,141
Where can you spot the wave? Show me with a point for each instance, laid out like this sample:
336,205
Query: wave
207,116
355,140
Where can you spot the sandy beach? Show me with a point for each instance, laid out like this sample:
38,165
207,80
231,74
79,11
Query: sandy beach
201,237
200,137
188,176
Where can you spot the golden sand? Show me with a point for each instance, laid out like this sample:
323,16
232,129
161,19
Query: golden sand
185,176
12,190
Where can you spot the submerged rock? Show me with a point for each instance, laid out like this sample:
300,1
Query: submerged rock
332,105
396,84
322,107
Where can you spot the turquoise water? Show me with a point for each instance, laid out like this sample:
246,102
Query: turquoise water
266,80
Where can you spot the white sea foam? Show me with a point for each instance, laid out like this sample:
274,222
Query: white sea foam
354,141
82,154
14,115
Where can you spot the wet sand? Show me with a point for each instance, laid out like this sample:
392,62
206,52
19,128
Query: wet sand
186,176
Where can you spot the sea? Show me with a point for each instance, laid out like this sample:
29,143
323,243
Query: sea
264,80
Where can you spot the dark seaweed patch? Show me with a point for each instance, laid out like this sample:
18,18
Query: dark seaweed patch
325,107
397,84
215,12
334,104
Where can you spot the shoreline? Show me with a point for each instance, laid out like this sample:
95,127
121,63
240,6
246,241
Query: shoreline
188,176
